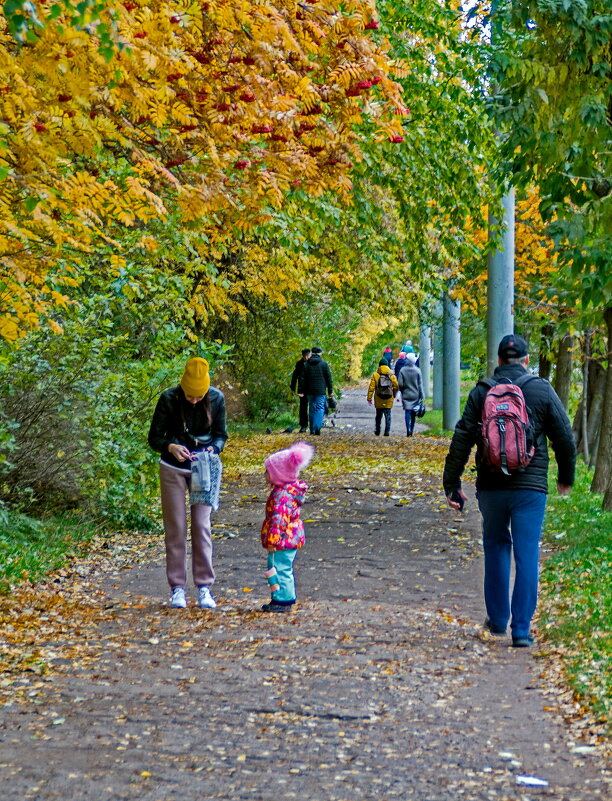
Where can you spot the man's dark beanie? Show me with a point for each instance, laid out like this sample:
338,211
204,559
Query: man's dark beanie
317,350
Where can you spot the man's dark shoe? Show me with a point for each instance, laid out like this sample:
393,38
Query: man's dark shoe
273,607
491,627
303,430
522,642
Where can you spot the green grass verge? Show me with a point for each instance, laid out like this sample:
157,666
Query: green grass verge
433,421
576,603
30,549
274,423
433,417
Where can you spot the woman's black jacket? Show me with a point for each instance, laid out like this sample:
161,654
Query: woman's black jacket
177,421
548,418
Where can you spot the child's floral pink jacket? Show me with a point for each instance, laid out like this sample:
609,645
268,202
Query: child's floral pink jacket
282,529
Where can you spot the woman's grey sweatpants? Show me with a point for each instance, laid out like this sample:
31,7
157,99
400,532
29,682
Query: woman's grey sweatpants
174,486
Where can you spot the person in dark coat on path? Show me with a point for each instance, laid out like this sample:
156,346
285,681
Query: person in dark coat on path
410,383
315,384
298,372
388,355
187,419
399,363
512,506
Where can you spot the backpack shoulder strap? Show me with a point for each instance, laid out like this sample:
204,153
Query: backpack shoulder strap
525,379
488,382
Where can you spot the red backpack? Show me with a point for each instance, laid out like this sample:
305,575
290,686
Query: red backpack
506,428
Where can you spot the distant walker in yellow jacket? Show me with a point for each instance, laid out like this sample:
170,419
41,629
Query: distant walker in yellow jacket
383,388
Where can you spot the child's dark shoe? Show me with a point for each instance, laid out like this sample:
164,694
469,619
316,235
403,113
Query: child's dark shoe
274,607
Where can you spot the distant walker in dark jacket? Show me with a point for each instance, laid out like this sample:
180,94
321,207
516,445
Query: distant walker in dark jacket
512,506
399,363
188,418
298,372
315,384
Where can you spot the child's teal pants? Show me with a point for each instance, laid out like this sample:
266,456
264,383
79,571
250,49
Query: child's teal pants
283,562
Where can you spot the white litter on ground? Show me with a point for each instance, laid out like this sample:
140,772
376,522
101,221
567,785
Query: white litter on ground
531,781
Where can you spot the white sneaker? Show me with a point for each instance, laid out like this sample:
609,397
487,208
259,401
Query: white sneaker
205,599
178,599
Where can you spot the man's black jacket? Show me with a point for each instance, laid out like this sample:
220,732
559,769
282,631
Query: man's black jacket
316,378
177,421
298,372
548,418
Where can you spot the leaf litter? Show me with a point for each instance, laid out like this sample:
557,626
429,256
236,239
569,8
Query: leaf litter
378,680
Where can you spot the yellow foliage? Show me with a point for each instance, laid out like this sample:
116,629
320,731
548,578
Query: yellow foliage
219,108
535,259
367,330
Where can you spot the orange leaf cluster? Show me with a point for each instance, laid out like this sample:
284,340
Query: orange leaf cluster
217,109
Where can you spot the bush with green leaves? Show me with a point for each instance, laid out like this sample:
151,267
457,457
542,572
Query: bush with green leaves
269,341
75,412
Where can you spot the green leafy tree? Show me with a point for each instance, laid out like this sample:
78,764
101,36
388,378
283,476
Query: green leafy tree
553,67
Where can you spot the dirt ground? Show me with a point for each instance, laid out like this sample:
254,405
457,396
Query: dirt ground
380,684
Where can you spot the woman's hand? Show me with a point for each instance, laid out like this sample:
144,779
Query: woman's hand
180,452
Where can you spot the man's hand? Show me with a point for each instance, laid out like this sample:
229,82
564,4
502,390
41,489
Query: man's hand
563,489
370,402
456,504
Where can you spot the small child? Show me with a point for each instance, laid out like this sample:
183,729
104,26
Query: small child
282,532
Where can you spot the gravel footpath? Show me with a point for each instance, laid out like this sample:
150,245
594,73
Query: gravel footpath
380,684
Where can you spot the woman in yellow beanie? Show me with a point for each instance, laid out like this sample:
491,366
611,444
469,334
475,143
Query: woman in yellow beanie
188,419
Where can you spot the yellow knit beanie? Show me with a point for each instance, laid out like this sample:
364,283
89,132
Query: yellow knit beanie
195,380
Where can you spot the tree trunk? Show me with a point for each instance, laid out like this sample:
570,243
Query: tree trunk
594,452
607,501
597,386
595,399
545,362
563,373
603,468
585,393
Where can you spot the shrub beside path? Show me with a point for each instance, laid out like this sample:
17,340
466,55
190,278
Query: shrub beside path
381,684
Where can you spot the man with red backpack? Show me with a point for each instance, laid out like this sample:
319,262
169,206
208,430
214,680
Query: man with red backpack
509,419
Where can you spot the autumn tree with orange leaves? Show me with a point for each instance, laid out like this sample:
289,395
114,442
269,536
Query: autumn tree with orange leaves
210,113
211,178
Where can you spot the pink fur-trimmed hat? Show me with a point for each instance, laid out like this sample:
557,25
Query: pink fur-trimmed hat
284,466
